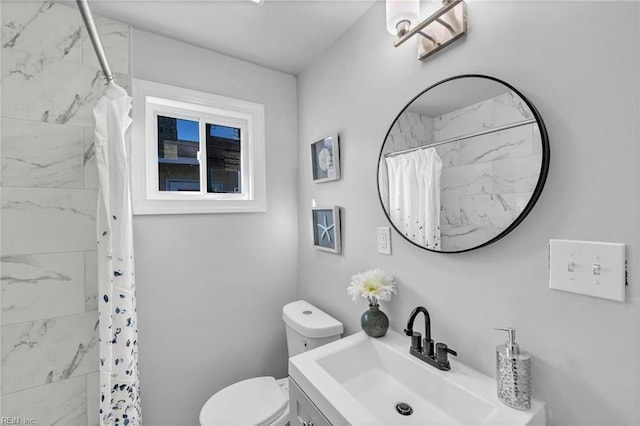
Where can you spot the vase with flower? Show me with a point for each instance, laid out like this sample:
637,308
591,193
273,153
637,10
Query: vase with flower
374,286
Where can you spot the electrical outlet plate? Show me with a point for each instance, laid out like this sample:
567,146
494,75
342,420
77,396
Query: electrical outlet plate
585,267
383,237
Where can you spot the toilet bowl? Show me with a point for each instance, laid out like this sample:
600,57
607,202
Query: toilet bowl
258,401
264,401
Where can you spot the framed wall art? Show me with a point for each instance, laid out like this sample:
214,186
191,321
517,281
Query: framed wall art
326,229
325,159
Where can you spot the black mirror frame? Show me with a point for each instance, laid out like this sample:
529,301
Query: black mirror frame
542,178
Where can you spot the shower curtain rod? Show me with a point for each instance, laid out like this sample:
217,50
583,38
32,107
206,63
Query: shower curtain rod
87,17
460,138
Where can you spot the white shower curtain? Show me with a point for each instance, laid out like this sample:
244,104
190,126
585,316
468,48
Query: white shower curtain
119,385
414,195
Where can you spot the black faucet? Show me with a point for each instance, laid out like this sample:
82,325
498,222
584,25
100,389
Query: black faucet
440,359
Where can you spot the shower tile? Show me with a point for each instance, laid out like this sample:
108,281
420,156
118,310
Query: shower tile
93,399
415,128
38,154
91,281
61,403
493,210
43,89
24,23
516,203
422,126
450,213
463,237
396,142
510,143
39,352
448,153
464,121
537,140
115,41
49,287
42,286
510,108
48,220
467,180
517,175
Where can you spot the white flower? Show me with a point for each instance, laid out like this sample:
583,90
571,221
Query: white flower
373,285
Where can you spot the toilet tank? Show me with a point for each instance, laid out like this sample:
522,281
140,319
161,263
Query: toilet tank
308,327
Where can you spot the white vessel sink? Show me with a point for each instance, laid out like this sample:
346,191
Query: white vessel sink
359,380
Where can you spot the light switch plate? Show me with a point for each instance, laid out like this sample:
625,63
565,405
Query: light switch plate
384,240
585,267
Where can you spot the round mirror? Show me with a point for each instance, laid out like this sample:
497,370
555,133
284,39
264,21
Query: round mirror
462,164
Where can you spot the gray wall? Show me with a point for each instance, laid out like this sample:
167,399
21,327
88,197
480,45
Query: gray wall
585,350
211,287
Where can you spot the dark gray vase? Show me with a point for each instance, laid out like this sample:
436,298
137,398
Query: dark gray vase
374,322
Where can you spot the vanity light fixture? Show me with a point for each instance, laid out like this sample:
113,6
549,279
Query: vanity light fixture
442,28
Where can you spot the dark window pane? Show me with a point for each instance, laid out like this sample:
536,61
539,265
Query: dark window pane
178,146
223,159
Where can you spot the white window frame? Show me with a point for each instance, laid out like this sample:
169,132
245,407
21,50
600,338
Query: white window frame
151,99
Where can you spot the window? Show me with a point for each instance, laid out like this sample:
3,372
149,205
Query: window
195,152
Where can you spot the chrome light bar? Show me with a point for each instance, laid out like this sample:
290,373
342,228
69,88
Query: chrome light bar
442,28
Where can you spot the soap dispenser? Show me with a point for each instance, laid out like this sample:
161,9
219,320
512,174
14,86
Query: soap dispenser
513,373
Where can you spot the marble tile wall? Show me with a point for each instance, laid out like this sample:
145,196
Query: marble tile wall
486,180
409,131
50,82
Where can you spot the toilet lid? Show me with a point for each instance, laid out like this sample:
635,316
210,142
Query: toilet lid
252,402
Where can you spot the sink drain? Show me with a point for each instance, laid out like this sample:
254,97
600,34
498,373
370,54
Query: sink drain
404,408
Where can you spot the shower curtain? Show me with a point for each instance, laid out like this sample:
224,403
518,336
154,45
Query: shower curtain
119,385
414,195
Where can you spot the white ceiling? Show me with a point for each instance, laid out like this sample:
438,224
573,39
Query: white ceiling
283,35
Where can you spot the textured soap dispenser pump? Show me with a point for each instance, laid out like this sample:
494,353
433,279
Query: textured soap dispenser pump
513,373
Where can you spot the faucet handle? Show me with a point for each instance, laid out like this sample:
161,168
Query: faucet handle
416,339
442,352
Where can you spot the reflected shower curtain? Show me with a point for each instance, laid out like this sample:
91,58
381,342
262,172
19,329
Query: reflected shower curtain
414,195
119,399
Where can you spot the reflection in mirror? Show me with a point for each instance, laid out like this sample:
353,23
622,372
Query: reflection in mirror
462,164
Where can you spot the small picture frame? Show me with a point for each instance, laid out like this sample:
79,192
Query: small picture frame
326,229
325,159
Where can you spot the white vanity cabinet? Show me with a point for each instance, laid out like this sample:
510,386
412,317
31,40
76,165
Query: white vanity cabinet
302,412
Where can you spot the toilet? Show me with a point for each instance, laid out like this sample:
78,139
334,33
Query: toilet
264,401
